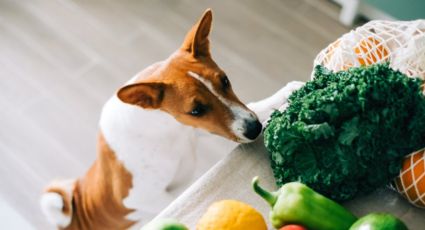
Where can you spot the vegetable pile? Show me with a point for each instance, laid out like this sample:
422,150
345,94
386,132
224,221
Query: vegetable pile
295,206
297,203
346,133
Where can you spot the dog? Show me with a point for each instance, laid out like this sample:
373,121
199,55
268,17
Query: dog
148,131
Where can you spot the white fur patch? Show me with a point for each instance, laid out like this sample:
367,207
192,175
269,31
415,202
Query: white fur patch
156,149
240,115
52,206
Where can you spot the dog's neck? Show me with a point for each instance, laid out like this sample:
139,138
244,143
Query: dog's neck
139,136
141,139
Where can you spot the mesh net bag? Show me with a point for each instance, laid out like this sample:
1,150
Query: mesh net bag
402,44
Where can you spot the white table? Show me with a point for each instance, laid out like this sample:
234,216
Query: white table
231,179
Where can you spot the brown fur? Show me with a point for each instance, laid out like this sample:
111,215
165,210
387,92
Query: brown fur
97,197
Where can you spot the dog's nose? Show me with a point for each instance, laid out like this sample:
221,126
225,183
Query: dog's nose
253,129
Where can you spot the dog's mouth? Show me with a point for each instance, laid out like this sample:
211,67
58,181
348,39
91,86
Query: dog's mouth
243,141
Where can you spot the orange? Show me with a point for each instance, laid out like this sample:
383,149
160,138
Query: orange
371,50
411,181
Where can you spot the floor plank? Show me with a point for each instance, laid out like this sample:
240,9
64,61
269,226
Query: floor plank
60,61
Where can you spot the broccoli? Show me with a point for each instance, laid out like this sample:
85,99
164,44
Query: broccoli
345,134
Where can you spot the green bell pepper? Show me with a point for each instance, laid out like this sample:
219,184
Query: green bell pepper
379,221
295,203
164,224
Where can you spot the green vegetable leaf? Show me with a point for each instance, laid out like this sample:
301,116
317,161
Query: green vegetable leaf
345,133
349,131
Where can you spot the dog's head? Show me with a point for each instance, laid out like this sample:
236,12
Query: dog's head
190,86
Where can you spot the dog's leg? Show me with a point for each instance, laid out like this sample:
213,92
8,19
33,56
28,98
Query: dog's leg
187,162
277,101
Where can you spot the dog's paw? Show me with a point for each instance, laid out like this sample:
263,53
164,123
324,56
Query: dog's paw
277,101
283,94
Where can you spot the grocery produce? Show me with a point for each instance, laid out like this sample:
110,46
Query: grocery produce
411,181
292,227
164,224
295,203
231,215
346,133
378,221
401,43
370,50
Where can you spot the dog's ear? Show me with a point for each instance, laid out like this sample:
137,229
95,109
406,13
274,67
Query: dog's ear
148,95
196,41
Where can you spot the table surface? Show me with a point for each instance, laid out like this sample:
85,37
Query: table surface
231,179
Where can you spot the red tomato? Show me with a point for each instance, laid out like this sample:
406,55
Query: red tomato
293,227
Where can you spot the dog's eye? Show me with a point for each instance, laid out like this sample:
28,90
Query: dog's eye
225,83
198,110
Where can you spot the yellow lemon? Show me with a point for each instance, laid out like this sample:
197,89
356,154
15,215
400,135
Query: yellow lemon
231,215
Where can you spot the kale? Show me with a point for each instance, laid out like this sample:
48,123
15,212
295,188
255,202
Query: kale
345,133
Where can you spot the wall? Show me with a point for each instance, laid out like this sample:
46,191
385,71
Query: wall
400,9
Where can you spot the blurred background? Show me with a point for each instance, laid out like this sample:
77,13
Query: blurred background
60,60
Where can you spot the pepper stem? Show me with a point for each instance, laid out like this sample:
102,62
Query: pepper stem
270,197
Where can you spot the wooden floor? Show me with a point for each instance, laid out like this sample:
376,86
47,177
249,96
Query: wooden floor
60,60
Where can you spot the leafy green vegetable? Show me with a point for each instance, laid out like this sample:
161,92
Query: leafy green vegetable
345,133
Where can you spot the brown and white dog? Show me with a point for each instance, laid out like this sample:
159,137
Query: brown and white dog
147,135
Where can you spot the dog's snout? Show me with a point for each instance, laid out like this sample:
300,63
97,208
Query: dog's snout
253,129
